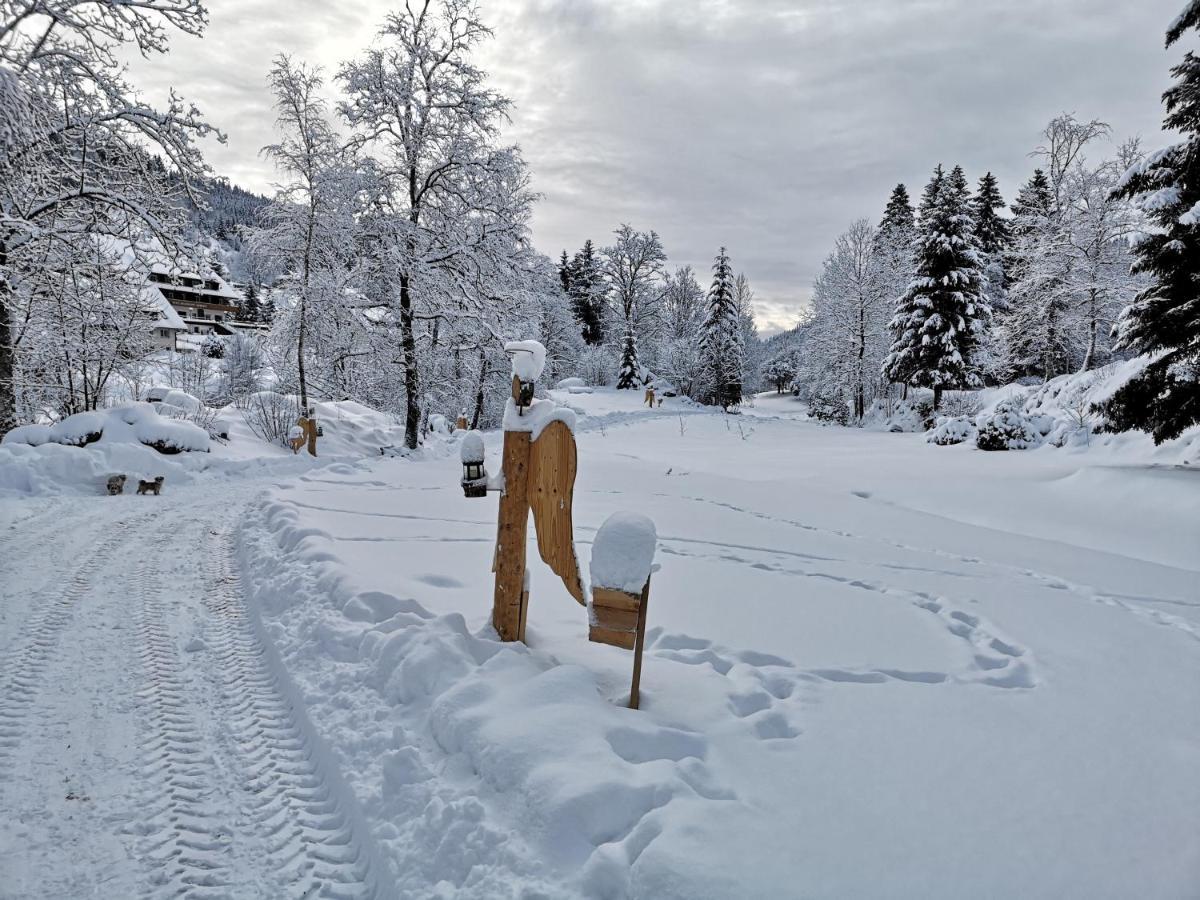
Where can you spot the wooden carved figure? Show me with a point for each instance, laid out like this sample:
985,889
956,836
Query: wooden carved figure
538,474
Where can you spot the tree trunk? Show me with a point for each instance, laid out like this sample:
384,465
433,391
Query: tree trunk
483,372
937,397
8,385
1089,359
408,353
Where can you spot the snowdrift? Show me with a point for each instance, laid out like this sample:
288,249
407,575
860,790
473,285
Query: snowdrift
128,423
1061,414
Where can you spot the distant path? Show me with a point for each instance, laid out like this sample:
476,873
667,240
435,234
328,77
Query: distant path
148,747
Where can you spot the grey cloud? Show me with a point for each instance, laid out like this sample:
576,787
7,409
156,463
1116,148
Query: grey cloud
765,126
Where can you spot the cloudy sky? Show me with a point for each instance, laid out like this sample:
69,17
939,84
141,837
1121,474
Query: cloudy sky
763,125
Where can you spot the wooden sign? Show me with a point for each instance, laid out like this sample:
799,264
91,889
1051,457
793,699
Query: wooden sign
619,619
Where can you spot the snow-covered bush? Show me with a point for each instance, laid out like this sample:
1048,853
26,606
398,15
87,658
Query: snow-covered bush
1006,428
912,416
271,416
960,403
596,365
78,430
951,430
30,435
171,436
829,408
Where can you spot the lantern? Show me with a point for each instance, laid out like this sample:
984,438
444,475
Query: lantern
475,477
525,397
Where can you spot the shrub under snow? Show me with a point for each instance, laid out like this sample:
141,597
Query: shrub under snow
1006,428
952,430
130,423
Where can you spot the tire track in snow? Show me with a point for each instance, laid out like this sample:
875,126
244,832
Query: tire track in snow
181,838
312,833
24,669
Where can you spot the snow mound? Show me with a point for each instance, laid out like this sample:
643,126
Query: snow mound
78,430
30,435
471,450
528,359
952,430
128,423
535,417
623,552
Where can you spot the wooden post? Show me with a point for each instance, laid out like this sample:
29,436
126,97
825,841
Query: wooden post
619,619
636,689
511,599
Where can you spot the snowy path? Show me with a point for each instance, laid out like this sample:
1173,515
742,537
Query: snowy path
144,732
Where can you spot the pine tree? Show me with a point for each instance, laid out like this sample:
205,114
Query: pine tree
1164,398
990,229
1031,325
628,376
940,318
564,272
250,310
898,215
585,286
267,311
721,337
894,243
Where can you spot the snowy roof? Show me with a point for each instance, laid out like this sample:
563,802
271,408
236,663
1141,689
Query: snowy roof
157,304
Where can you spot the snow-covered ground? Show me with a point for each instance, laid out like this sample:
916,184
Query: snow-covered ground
876,668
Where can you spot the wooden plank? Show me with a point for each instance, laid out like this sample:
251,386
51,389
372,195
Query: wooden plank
624,639
507,605
552,467
616,619
615,599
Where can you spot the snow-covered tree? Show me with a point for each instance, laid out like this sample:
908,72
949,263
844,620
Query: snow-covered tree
941,316
847,332
587,288
1068,266
633,265
628,376
894,242
1164,319
721,338
446,231
310,227
779,371
683,311
751,345
74,141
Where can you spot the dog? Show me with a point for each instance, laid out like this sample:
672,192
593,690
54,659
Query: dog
116,485
150,487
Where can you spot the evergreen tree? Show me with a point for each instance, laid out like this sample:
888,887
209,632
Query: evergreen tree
894,243
1164,398
940,318
564,272
250,311
1031,327
586,288
898,215
994,242
721,338
628,376
267,311
990,229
